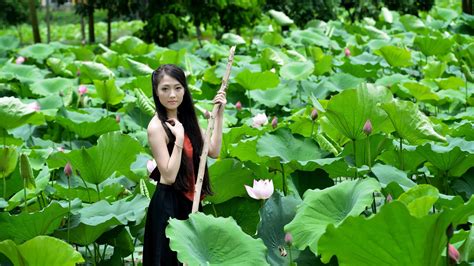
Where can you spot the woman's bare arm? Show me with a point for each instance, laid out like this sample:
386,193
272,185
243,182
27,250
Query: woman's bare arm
216,139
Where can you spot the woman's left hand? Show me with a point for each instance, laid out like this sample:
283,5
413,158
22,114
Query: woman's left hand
220,98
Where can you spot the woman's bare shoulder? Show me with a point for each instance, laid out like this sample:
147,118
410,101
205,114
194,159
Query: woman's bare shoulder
155,126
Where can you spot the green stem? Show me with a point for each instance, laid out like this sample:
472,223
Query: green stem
38,199
134,244
355,158
284,184
98,191
465,106
69,208
401,154
4,185
70,141
374,206
369,159
312,129
87,188
90,252
24,194
105,248
214,208
250,101
289,253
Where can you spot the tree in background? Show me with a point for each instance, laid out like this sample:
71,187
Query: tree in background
303,11
467,7
115,9
34,21
14,13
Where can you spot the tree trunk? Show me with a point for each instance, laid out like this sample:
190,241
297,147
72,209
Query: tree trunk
467,7
83,28
20,35
48,22
90,13
34,21
198,32
109,27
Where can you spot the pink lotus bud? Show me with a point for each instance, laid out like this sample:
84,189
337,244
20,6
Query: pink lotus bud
347,52
117,118
238,106
288,238
82,90
207,115
274,122
20,60
262,189
367,127
78,72
389,198
453,253
150,165
60,149
314,114
259,120
68,169
34,106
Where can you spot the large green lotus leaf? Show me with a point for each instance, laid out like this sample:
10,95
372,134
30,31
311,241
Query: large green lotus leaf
259,80
386,239
86,124
454,83
9,138
281,18
275,214
411,160
272,39
464,185
8,161
232,39
387,174
434,69
89,194
288,147
228,177
280,95
246,150
86,234
131,45
14,113
142,82
310,37
421,92
24,73
38,51
420,199
343,81
463,129
413,23
25,226
41,250
82,53
297,70
330,206
243,210
207,240
349,110
59,67
378,143
95,71
114,152
8,42
467,248
41,182
359,71
111,59
467,53
396,56
410,123
46,87
108,91
391,80
136,68
120,239
433,45
455,158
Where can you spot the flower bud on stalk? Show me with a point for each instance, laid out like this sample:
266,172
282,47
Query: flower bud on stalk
367,127
68,169
274,122
314,114
238,106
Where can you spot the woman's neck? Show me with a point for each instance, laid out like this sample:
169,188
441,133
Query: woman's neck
172,114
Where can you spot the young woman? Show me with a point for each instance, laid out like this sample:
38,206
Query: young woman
176,141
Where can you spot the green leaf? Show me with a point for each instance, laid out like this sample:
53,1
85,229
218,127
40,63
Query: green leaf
259,80
344,81
311,36
41,250
59,67
396,56
25,226
349,110
137,68
8,42
433,45
38,51
275,214
46,87
87,124
420,199
114,152
108,91
131,45
14,113
386,239
232,39
26,172
288,147
24,73
467,248
220,241
281,18
280,95
8,160
297,70
410,123
330,206
95,71
421,92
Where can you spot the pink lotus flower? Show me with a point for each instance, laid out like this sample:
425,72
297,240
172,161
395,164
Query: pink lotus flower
82,90
150,165
259,120
20,60
389,198
288,238
238,106
347,52
314,114
453,253
117,118
262,189
68,169
367,127
274,122
34,106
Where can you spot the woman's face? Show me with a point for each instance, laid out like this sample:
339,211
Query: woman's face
170,92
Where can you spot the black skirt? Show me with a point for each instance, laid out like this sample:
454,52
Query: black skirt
166,203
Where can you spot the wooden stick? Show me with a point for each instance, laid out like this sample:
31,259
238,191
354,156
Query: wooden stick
207,136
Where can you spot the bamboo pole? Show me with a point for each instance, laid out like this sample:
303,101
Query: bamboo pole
207,136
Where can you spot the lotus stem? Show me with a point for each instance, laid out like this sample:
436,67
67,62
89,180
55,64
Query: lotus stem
4,185
369,159
355,158
401,154
214,209
87,188
24,194
289,254
465,82
312,129
250,101
283,179
98,190
69,208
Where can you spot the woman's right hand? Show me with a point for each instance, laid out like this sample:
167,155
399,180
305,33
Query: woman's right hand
176,128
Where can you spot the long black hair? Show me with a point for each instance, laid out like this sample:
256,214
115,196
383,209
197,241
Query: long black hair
187,116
